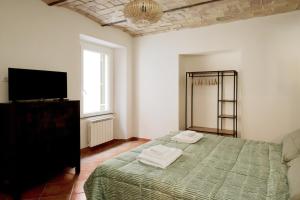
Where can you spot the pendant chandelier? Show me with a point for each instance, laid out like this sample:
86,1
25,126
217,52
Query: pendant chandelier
143,11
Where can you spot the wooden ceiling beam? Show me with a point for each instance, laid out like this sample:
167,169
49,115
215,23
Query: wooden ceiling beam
113,23
53,2
192,5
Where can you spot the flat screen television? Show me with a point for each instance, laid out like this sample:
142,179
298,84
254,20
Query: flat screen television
28,84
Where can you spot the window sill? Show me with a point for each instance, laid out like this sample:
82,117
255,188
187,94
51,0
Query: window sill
96,115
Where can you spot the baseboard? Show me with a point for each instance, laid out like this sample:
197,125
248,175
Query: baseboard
134,139
113,142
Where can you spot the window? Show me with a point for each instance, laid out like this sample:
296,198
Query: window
96,80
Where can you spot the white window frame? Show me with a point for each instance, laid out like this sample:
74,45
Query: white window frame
109,52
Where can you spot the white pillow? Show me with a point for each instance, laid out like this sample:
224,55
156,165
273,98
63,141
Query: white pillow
294,179
291,146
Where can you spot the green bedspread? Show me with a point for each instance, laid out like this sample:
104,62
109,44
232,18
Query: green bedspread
214,168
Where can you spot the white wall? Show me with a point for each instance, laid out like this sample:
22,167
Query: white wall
34,35
270,69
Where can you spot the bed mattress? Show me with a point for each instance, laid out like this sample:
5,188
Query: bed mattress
216,168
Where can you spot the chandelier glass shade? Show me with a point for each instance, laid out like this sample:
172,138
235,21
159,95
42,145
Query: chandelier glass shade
143,11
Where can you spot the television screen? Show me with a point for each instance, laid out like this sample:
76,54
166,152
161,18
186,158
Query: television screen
27,84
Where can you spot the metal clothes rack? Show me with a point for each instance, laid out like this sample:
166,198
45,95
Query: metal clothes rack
220,115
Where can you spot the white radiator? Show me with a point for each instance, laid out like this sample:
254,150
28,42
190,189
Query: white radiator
100,130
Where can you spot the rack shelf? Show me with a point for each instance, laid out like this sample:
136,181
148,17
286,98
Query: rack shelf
226,100
227,116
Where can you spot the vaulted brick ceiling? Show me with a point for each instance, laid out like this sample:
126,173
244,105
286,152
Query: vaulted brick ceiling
195,14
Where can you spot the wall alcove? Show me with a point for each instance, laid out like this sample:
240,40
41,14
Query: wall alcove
205,99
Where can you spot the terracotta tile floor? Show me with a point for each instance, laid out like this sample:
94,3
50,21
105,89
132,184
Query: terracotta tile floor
67,185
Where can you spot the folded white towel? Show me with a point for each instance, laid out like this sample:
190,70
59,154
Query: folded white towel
159,151
159,156
188,137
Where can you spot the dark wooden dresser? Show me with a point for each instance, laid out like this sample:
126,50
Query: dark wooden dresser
37,140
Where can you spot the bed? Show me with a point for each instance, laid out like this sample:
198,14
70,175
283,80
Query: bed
216,168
